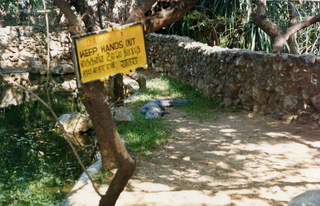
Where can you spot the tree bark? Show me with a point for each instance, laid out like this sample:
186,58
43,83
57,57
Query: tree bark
109,140
260,19
118,90
293,21
94,100
138,12
108,161
75,23
160,19
87,14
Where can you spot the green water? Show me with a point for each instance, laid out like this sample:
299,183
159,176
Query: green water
37,166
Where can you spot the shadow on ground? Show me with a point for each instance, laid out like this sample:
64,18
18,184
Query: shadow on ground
233,160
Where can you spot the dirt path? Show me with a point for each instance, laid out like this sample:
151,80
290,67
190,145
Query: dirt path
233,160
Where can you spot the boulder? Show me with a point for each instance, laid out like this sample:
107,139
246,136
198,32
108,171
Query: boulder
122,114
308,198
290,103
62,69
75,122
36,67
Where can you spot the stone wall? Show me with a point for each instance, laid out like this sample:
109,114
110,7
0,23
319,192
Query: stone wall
284,85
23,46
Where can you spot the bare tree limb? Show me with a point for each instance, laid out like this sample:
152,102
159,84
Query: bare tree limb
75,23
160,19
278,35
176,11
280,41
139,9
111,146
260,19
87,14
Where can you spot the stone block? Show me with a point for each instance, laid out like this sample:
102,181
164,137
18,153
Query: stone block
316,101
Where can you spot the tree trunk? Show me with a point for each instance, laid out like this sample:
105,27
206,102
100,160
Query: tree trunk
112,149
293,21
118,90
94,99
110,142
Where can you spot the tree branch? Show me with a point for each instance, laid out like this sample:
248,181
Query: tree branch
138,11
167,16
260,19
75,23
280,41
277,34
86,13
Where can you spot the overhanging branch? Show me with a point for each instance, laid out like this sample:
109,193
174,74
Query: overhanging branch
162,18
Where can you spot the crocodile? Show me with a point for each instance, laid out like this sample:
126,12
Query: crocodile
156,108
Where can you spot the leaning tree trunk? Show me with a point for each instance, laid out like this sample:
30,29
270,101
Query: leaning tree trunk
105,127
111,146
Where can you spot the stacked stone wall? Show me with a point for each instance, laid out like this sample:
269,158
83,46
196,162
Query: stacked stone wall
21,45
284,85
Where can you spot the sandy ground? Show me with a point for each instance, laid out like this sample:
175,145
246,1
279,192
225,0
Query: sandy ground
233,160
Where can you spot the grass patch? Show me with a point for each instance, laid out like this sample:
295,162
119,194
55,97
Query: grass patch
200,107
143,135
102,177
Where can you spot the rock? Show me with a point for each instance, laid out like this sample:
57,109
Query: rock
54,63
308,198
62,69
140,78
259,95
277,115
57,69
67,68
36,67
290,103
75,122
289,117
69,85
316,101
122,114
227,102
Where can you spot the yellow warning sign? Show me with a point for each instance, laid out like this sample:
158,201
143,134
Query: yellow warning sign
107,52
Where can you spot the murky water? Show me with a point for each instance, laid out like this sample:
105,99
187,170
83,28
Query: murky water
37,166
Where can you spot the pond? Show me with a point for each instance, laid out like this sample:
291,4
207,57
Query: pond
37,165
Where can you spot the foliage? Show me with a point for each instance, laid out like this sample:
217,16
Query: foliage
227,24
25,13
143,135
37,165
214,22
